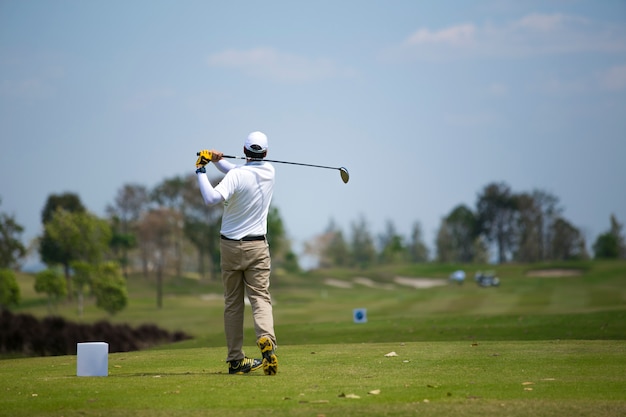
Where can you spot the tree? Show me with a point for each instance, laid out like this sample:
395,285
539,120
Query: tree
567,241
329,248
480,250
457,240
280,246
11,248
362,245
549,212
109,288
616,229
49,250
529,242
536,215
130,202
9,289
170,194
337,250
202,227
444,242
121,243
51,282
610,245
67,201
417,249
105,281
606,246
81,236
291,262
392,248
496,209
156,230
82,278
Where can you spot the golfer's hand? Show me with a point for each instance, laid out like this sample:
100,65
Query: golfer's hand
204,157
216,155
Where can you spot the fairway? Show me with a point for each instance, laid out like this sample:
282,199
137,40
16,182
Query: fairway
537,345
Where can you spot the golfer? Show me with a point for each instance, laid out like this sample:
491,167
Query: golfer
246,191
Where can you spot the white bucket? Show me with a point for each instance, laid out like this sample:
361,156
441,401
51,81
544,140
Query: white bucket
92,359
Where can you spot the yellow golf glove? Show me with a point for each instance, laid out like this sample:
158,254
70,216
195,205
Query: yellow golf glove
204,157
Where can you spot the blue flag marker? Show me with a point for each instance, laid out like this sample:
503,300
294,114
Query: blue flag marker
359,315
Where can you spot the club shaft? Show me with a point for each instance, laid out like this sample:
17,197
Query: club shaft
281,162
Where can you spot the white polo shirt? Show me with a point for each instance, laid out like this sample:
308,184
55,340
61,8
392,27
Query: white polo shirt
247,192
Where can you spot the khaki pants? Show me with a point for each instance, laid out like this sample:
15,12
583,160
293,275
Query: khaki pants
246,270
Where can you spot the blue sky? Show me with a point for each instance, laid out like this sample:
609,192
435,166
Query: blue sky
424,102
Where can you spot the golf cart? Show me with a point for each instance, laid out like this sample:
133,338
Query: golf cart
487,279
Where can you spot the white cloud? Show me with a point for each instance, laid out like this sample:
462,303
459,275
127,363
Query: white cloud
545,23
455,35
272,64
533,34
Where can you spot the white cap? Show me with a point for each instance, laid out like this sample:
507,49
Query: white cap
256,138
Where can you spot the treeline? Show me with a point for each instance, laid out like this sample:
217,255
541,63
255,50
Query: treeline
168,230
515,226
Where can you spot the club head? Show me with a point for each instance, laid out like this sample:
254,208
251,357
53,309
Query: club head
345,175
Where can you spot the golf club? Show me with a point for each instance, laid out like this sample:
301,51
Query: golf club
345,175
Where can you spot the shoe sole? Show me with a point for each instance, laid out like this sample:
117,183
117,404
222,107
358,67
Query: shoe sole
270,361
244,373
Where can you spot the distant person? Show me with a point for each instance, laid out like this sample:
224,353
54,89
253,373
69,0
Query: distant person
246,191
458,276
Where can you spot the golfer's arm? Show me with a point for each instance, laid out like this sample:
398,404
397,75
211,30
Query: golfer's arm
209,194
224,166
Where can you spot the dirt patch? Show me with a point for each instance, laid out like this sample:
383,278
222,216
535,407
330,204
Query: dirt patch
420,283
554,273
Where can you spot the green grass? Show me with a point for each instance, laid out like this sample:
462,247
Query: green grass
533,346
432,378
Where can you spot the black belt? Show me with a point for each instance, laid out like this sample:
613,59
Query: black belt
249,238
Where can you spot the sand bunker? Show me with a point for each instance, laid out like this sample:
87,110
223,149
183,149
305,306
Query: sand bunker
554,273
372,284
337,283
420,283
